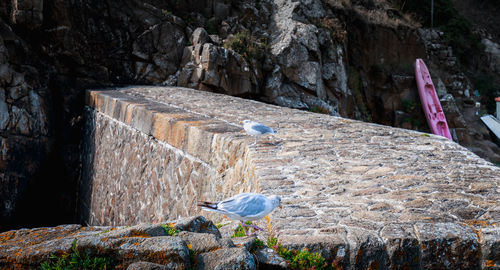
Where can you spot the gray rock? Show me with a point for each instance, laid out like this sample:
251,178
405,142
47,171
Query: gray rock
39,112
212,67
221,9
267,258
246,242
160,53
216,39
441,88
456,242
142,230
200,36
166,250
20,121
198,224
492,50
204,242
4,112
5,74
148,266
227,258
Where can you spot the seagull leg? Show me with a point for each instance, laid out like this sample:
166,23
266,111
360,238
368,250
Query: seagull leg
255,142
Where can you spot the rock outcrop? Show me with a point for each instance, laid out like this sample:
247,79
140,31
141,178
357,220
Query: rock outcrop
193,242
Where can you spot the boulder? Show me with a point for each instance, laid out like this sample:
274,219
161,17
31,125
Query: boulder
147,266
226,258
268,258
214,68
145,246
198,224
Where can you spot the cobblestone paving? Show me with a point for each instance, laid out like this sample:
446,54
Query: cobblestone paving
366,194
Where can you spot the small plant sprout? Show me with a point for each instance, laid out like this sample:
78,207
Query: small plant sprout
240,231
76,260
170,229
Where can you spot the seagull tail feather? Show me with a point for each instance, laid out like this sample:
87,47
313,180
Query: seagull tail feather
208,205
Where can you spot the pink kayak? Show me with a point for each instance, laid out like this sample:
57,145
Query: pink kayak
430,101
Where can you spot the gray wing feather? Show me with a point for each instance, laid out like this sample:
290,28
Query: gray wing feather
262,128
244,205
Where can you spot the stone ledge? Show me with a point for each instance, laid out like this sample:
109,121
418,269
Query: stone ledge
367,194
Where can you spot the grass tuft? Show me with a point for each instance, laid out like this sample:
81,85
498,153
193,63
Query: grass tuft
75,260
170,229
240,231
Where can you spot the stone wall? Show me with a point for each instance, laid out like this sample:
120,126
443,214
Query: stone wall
364,194
144,161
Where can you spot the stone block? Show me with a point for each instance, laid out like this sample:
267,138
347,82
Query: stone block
490,246
402,246
226,258
448,245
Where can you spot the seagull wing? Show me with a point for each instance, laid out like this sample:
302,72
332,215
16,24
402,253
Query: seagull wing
245,205
262,129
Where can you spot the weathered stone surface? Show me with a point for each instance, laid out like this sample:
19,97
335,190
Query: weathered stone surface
448,245
492,50
247,242
214,68
200,36
4,113
227,258
268,258
355,205
147,266
198,224
202,242
145,246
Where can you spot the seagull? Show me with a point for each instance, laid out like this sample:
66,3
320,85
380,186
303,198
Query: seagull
244,207
256,129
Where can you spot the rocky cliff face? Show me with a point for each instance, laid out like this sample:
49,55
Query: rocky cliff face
348,58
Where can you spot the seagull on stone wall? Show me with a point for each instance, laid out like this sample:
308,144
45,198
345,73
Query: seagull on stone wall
256,129
244,207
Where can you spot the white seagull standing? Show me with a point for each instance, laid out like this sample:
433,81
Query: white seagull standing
257,129
244,207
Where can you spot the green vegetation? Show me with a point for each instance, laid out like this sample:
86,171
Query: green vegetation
356,84
170,229
247,45
218,225
414,122
211,28
488,89
75,260
303,259
409,105
192,257
240,231
259,243
318,109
